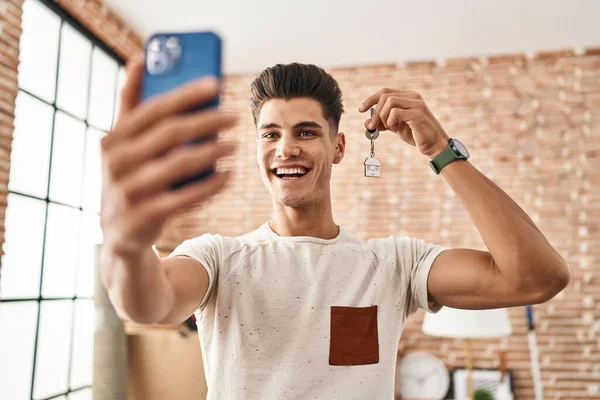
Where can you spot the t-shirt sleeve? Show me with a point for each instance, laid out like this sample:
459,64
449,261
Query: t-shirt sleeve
415,259
206,250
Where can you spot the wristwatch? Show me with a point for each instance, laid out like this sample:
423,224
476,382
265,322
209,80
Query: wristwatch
455,151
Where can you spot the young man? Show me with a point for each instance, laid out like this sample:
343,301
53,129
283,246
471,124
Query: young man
299,308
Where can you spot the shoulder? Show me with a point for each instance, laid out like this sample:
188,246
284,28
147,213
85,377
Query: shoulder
224,246
381,248
401,243
401,247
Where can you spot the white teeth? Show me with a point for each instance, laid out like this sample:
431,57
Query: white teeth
286,171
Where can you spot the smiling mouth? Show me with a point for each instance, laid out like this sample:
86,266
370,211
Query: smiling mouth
290,174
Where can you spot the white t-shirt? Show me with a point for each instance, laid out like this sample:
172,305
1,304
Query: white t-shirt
306,318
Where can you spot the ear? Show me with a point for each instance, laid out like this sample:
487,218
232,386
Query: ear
340,147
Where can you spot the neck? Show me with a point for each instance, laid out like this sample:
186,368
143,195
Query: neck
314,220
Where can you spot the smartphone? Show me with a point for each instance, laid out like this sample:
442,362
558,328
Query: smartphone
173,59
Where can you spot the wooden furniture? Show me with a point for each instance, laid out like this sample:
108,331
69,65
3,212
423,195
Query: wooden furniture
163,364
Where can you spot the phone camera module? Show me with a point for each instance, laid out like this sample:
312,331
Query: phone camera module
163,54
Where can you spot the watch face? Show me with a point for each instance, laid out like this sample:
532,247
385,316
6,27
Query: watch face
462,150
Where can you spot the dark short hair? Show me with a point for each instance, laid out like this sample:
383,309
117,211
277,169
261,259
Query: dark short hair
288,81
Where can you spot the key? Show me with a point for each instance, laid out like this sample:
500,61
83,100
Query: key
372,163
372,135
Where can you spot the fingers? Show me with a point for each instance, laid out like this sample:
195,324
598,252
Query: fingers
397,120
380,99
374,99
177,101
375,119
176,166
130,93
371,100
387,102
140,152
166,135
168,202
400,103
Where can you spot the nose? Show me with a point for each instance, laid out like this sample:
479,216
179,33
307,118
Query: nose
287,147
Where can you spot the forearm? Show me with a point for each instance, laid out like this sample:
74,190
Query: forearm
138,287
520,251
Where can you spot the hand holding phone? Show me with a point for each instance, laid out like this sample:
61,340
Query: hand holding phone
148,152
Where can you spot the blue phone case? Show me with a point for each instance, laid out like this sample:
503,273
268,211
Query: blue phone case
173,59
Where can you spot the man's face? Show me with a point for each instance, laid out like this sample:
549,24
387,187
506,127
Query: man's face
295,151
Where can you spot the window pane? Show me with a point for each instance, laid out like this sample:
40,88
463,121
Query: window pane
91,234
74,72
39,50
67,160
30,154
83,342
84,394
102,94
60,257
120,84
54,342
22,259
92,180
16,347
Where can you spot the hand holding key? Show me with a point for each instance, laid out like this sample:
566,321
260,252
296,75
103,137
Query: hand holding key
406,114
145,154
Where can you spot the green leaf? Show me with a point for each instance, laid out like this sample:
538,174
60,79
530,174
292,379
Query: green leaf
483,394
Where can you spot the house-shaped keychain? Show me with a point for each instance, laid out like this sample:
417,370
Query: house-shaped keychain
372,167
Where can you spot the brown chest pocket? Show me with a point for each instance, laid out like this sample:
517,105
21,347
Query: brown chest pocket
353,339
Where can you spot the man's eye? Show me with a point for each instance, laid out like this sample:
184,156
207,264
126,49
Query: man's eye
306,132
270,135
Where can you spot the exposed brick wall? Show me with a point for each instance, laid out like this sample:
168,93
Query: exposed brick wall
10,33
532,125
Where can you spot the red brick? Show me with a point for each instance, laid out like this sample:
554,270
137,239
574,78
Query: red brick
418,65
592,51
506,58
554,54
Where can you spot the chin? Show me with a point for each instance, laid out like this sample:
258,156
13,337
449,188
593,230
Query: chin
295,201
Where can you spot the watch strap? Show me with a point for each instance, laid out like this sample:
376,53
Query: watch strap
443,159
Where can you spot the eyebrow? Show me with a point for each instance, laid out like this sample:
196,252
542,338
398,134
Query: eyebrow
303,124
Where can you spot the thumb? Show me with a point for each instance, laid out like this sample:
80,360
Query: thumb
131,91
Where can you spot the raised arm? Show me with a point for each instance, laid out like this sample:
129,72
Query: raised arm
521,267
143,157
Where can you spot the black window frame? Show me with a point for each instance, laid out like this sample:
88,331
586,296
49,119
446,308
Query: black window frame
65,18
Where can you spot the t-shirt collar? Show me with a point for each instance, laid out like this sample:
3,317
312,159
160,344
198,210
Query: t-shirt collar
272,235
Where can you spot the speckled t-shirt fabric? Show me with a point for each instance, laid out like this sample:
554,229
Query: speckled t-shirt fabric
303,317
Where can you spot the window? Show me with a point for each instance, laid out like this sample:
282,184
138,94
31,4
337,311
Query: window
68,85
